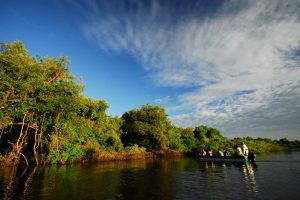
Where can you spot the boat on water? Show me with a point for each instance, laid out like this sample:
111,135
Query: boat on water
238,159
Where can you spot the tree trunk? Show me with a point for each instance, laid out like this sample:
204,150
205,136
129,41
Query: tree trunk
38,139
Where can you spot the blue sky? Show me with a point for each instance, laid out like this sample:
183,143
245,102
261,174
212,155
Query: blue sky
233,65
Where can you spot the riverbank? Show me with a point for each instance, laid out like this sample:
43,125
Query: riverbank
101,156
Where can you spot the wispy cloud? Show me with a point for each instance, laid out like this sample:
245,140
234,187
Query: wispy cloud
162,101
242,58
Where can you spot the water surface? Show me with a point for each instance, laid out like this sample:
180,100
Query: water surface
276,176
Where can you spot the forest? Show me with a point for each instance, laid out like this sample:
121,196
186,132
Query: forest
46,119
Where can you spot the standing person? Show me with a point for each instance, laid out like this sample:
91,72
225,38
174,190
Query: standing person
245,149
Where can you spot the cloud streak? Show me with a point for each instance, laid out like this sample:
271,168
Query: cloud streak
241,58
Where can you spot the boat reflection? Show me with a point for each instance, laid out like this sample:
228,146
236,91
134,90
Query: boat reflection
249,176
248,172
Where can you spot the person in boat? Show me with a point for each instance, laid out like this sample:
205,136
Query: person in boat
245,149
220,153
203,153
210,152
251,157
227,152
239,151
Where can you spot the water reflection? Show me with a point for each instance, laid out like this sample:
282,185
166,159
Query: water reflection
155,182
91,181
250,180
143,179
154,179
17,182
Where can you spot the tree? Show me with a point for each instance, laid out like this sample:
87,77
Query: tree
147,127
189,141
35,93
203,133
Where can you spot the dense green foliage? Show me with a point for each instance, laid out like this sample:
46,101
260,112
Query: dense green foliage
45,118
147,127
43,114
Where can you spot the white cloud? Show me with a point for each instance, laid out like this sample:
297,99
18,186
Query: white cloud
241,47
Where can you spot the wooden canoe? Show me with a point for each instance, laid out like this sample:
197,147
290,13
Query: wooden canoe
240,159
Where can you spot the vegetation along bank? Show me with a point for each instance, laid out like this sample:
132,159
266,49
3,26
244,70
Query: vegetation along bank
45,118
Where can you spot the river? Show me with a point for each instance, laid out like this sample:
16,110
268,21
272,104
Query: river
276,176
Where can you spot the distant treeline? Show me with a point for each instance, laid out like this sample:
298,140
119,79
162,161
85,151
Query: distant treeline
45,118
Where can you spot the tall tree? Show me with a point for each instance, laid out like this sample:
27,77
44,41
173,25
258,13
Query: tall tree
147,127
34,92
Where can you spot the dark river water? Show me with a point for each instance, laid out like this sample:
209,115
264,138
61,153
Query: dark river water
276,176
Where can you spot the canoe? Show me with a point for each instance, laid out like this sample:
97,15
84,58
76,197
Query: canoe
239,159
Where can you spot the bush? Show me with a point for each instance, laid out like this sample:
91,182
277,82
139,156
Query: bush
134,148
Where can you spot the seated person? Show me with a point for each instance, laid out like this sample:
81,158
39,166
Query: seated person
239,151
203,153
227,152
210,152
220,153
